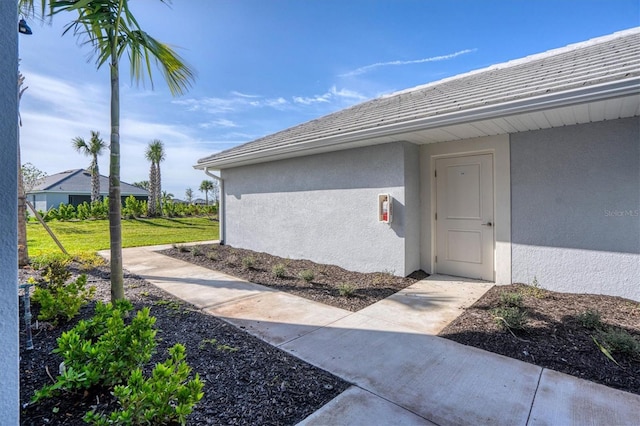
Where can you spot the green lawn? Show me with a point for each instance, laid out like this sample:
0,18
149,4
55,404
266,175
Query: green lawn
93,235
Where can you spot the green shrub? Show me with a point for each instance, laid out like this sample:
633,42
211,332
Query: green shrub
620,341
511,299
167,397
42,261
102,351
170,208
590,319
248,262
196,251
512,318
100,209
346,290
83,211
63,301
133,207
279,270
307,275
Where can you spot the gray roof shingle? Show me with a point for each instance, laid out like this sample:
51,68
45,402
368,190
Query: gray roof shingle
611,58
78,181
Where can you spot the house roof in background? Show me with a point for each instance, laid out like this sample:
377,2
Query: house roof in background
597,70
78,181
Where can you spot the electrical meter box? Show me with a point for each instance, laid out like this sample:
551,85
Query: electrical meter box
385,208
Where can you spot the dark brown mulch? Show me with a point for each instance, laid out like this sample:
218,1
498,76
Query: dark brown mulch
554,337
253,384
324,288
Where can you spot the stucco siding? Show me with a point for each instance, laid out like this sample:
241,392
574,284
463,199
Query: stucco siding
9,354
324,208
575,207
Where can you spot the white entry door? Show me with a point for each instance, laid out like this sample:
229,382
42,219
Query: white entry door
464,216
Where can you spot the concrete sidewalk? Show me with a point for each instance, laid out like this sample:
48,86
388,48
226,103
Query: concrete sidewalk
401,372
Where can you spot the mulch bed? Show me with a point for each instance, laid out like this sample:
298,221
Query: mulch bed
368,287
253,384
554,336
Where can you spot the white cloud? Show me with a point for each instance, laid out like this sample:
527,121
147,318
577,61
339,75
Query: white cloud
332,95
219,123
371,67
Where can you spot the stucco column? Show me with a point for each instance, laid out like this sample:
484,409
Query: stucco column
9,354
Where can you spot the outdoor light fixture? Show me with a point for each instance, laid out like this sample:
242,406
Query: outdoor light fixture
23,28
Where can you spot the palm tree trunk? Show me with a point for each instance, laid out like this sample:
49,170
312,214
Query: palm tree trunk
159,189
23,252
115,208
151,203
95,180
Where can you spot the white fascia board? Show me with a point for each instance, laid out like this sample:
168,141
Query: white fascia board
600,92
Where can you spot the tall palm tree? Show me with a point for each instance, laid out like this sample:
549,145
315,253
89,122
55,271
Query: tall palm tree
93,148
155,154
112,30
205,187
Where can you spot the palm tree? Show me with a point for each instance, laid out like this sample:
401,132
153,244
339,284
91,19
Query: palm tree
205,187
112,30
94,148
155,154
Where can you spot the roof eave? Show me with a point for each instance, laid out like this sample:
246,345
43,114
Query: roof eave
582,95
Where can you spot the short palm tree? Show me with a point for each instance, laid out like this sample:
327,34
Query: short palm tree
205,187
93,148
155,154
112,31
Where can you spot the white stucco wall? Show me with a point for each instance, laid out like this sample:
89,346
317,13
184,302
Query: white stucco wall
9,372
324,208
576,202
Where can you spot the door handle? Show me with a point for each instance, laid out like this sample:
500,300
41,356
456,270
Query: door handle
489,224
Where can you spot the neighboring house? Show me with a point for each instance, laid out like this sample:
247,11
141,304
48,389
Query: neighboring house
527,170
74,187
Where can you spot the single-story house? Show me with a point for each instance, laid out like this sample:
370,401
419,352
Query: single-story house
74,187
527,171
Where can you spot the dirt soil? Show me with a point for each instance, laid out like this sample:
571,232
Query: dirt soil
247,382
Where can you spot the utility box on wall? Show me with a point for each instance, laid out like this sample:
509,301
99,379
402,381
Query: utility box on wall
385,208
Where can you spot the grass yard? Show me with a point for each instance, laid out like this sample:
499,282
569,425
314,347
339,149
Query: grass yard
80,237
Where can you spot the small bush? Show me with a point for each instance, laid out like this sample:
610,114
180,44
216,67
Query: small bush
535,290
42,261
181,248
508,299
248,262
346,290
103,350
212,255
63,301
307,275
512,318
56,271
167,397
196,251
279,270
620,341
590,319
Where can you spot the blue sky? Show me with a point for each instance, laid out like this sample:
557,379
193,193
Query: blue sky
263,66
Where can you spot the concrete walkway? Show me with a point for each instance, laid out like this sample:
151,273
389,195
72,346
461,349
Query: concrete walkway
402,374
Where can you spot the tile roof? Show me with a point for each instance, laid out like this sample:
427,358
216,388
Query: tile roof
611,58
78,181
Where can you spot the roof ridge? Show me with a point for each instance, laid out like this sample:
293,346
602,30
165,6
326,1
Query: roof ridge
525,59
